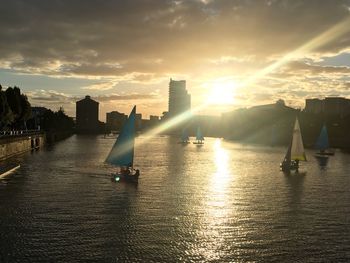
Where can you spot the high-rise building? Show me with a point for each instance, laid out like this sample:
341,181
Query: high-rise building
179,99
115,120
87,115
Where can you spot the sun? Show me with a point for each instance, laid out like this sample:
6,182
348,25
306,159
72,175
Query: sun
222,92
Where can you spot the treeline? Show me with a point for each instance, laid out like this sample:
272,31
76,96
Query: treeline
57,121
15,109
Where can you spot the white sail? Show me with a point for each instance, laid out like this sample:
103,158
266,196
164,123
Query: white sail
297,150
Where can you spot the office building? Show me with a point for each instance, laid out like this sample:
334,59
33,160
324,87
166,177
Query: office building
115,120
179,99
87,115
331,106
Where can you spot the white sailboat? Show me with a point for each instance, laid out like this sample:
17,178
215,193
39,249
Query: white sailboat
122,152
295,152
199,137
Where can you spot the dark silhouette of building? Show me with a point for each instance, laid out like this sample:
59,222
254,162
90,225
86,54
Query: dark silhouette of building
87,116
331,106
179,99
154,120
115,120
138,121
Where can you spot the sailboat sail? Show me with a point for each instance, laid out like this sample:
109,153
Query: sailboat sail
122,153
322,141
184,136
297,149
199,135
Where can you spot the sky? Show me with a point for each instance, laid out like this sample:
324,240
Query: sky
232,53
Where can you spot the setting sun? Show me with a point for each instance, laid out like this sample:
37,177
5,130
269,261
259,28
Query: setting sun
221,92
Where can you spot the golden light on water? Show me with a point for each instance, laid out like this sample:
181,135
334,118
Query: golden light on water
216,204
222,164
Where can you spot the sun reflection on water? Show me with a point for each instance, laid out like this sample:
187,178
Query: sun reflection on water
216,206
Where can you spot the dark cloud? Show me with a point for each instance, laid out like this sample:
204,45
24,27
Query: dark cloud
114,97
104,38
297,67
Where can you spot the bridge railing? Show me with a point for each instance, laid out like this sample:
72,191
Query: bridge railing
18,133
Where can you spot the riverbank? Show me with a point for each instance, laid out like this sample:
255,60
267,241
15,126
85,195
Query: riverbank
20,143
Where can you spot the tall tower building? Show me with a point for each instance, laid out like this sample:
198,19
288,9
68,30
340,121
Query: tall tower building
179,99
87,115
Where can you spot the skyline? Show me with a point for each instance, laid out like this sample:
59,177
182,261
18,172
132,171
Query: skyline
232,54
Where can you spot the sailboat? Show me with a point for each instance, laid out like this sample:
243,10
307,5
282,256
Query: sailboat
199,137
184,137
122,152
295,152
322,143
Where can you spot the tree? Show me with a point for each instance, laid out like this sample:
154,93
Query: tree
6,115
19,106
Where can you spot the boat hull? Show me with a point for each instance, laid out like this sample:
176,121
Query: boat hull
184,143
325,153
129,178
289,167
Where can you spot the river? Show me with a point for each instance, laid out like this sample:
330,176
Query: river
220,202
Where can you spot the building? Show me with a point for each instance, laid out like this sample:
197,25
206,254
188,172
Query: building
179,99
87,115
154,120
115,120
314,106
331,106
336,106
138,121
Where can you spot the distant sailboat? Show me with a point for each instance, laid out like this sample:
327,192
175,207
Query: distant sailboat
122,152
295,152
322,143
185,139
199,137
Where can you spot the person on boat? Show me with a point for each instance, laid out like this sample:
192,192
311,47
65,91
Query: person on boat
125,170
295,165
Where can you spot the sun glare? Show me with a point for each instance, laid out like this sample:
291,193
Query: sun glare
221,92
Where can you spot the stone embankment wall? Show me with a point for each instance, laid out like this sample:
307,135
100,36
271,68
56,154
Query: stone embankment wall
14,145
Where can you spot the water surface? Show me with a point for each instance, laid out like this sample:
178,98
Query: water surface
220,202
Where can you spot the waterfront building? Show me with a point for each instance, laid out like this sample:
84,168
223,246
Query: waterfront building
87,115
179,99
331,106
153,120
314,106
138,121
115,120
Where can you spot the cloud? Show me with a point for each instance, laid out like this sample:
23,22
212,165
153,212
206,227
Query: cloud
116,97
299,67
118,38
